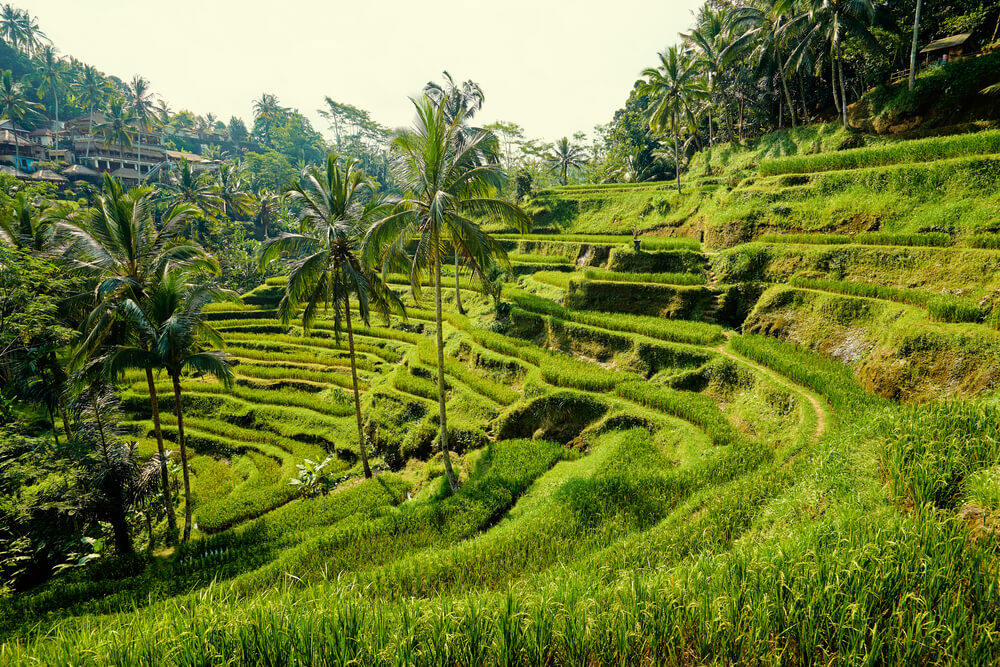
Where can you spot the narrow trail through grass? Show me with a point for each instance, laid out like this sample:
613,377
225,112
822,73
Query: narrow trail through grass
821,409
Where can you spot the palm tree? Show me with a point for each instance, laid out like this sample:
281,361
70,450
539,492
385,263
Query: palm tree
449,187
90,89
115,127
15,105
828,23
120,246
24,225
141,111
338,205
673,87
566,156
190,188
49,70
764,33
233,190
459,100
710,40
267,111
168,331
20,29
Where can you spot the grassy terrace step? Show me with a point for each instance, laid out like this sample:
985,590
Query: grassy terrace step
658,278
650,242
676,331
921,150
942,307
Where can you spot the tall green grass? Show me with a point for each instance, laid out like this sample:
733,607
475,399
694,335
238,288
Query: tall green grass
920,150
661,278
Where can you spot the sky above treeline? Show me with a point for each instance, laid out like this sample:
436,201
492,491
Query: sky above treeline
552,66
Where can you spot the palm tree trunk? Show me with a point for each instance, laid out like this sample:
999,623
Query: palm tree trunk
354,383
17,153
788,95
121,156
90,132
458,291
116,513
52,421
138,159
833,80
154,405
677,162
843,90
179,410
452,480
913,47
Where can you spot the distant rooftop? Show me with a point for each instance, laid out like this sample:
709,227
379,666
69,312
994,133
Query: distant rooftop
947,42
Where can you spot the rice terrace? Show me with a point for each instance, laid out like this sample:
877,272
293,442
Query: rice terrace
716,381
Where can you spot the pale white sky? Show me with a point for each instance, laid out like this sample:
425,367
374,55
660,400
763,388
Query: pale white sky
552,66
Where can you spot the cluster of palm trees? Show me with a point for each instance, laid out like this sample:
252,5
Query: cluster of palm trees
351,237
143,309
771,47
20,30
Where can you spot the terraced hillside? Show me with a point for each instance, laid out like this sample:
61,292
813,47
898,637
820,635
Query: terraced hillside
641,482
815,179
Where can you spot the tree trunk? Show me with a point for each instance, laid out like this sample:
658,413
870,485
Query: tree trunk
179,410
154,405
357,395
805,107
677,162
116,513
119,526
833,80
788,96
458,290
913,47
90,132
52,421
121,157
452,480
138,159
843,90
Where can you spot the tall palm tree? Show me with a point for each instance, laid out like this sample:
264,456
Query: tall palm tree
449,188
10,25
827,24
267,111
566,156
115,128
710,40
169,332
673,88
50,74
119,245
763,38
90,89
141,111
337,205
15,105
20,30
